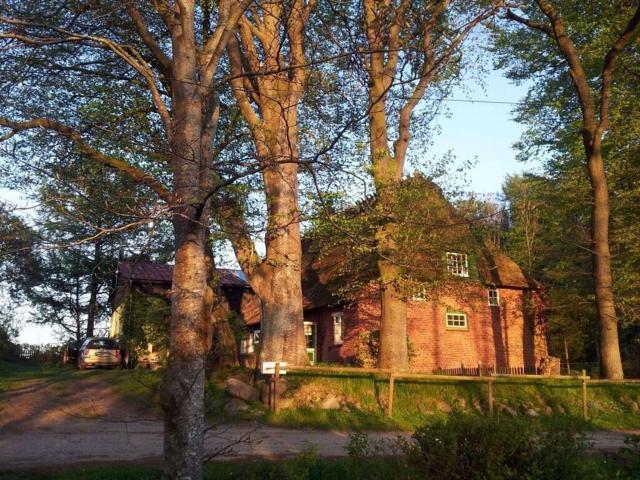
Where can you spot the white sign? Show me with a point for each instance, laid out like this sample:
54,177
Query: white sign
269,368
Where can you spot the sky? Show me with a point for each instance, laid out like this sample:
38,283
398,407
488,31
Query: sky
483,132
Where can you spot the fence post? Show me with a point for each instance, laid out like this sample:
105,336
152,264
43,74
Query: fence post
585,412
390,402
276,380
490,395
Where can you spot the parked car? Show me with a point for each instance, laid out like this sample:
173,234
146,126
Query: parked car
99,352
70,352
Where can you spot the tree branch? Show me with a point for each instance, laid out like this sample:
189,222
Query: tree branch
117,163
609,67
163,60
542,27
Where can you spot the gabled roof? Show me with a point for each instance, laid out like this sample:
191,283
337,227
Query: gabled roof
161,274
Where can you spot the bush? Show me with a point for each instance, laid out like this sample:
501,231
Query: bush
468,448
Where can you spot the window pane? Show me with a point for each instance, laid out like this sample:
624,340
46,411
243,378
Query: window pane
493,297
457,264
338,330
456,320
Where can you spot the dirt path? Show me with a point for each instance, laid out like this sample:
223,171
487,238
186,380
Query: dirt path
51,424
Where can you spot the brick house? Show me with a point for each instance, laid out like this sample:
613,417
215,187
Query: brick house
490,319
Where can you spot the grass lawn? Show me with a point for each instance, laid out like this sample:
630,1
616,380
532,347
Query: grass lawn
420,403
365,396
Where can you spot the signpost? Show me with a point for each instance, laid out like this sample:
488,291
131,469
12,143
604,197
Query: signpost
274,370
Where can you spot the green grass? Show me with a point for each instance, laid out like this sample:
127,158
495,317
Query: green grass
418,403
415,403
13,373
302,467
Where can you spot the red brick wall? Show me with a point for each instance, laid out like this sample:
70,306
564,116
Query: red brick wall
496,336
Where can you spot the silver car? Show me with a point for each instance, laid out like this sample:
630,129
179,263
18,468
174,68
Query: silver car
99,352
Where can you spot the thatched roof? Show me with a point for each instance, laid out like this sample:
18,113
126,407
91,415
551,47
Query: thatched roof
331,267
323,275
497,269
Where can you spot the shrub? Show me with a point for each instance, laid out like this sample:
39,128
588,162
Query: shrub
468,448
630,457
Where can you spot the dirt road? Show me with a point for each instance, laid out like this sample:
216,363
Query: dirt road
45,424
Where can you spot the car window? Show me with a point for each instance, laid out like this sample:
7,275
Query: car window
103,343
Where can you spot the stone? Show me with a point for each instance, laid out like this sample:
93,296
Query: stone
510,411
548,410
560,410
235,406
330,403
530,412
238,389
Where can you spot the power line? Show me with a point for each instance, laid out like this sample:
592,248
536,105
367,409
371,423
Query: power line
470,100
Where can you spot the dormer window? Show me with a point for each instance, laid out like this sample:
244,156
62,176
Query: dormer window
457,264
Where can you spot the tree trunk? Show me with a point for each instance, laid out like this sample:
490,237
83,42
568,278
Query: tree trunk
387,173
393,323
93,291
282,328
611,362
183,389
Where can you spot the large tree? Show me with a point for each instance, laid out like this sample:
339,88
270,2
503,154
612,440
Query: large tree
412,47
581,42
268,72
168,54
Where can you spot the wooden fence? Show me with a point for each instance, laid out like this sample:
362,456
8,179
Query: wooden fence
489,379
482,370
38,353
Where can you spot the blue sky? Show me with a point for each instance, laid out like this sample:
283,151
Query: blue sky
481,131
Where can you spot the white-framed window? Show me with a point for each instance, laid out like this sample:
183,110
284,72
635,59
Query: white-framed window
419,294
457,320
457,264
338,328
494,297
246,345
249,342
